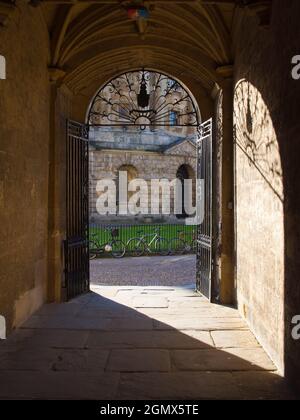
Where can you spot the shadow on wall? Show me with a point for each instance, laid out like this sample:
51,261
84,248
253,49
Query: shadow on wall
259,220
267,140
98,348
255,136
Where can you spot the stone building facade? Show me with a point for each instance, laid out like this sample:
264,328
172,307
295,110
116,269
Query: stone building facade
142,154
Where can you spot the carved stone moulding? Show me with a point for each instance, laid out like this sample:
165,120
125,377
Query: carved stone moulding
7,8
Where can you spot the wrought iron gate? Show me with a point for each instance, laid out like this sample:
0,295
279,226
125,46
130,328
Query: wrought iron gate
77,206
204,247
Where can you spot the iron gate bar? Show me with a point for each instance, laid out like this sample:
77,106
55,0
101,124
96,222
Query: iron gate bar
204,240
76,245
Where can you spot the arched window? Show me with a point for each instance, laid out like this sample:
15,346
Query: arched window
143,98
131,174
185,172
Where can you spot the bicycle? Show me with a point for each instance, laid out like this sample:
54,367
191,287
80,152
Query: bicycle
181,246
138,246
114,246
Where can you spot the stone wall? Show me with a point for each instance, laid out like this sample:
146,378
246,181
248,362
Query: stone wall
132,138
24,144
61,107
267,180
259,220
148,165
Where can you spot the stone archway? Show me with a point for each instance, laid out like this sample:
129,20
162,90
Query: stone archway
88,46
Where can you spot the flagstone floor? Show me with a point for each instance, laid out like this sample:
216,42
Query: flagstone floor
137,343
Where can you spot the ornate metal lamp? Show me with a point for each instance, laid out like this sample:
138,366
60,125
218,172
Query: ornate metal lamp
143,97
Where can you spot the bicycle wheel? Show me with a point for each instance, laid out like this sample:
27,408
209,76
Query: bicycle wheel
93,247
162,246
177,246
118,249
136,247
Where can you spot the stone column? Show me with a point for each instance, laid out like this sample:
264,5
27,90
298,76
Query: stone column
227,280
52,294
59,112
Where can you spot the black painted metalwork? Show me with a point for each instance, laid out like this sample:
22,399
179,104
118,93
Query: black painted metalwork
77,205
143,98
204,247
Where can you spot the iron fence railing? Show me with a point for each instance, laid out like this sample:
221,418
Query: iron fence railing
156,238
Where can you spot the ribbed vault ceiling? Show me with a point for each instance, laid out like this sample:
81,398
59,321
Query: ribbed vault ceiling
94,40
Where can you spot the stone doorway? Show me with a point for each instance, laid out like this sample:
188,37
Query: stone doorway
153,140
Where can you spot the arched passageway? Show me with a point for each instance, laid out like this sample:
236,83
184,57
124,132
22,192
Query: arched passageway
136,143
58,54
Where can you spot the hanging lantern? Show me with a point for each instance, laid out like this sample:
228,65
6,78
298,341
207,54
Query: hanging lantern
136,13
143,97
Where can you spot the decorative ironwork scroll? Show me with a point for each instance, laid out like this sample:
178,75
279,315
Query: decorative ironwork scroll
204,236
143,98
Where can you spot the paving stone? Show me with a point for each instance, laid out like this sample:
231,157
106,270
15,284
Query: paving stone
16,340
83,299
179,294
158,289
54,338
204,324
263,386
106,304
201,312
101,312
178,386
240,339
149,301
129,324
222,360
58,385
154,313
193,301
150,339
96,323
127,295
30,360
66,323
80,360
101,299
159,293
108,292
203,309
68,309
78,350
139,361
130,288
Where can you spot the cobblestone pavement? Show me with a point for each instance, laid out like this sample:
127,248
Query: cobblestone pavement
144,271
129,343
